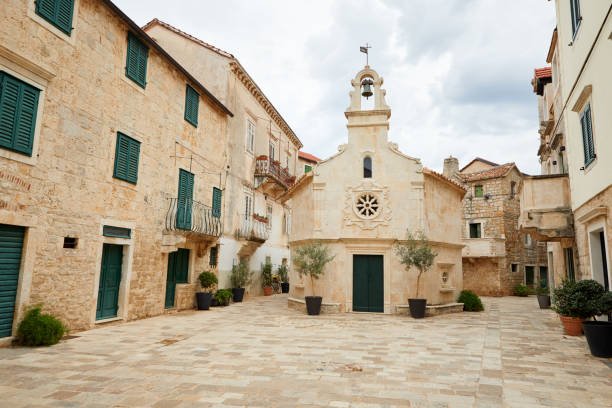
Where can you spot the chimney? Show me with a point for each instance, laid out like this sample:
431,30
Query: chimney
451,167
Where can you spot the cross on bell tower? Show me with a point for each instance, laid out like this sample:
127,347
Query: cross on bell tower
365,49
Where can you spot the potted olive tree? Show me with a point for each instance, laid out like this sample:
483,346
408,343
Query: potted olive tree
599,333
543,295
283,272
416,252
575,302
310,259
241,277
207,281
266,278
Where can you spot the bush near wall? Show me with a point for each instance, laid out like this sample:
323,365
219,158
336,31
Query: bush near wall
38,329
521,290
471,301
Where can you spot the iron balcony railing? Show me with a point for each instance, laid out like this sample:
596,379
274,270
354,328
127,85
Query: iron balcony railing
192,216
252,229
270,168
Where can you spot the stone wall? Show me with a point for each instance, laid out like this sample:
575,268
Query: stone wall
482,276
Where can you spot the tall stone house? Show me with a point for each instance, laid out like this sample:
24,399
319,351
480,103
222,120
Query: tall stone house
262,157
496,256
112,157
568,205
306,162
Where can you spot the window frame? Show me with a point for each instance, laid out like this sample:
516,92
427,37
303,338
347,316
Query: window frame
141,46
533,271
131,142
575,17
269,214
250,136
216,211
367,161
213,260
307,168
192,105
478,230
476,189
50,20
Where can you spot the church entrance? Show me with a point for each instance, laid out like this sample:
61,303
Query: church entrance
368,291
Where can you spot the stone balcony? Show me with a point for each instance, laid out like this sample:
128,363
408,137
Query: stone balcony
252,229
189,219
484,248
546,211
271,178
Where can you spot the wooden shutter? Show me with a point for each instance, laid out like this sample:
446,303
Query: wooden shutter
587,136
185,200
136,64
126,158
213,256
18,108
182,266
57,12
216,202
192,100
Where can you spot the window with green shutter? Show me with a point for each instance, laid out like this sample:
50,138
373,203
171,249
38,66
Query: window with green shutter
475,230
478,191
192,100
18,108
136,64
576,17
213,256
126,158
307,168
587,136
216,202
184,200
57,12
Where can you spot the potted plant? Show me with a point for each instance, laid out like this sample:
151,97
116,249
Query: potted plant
599,333
241,277
543,295
575,302
310,259
266,278
283,272
207,281
416,251
223,296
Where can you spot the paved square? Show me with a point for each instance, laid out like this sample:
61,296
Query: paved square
261,354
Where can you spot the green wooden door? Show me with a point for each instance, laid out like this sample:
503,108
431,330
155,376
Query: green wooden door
368,291
185,200
110,280
178,272
11,246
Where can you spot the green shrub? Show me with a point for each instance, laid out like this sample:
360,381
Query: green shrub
283,272
471,301
241,275
542,288
266,274
582,299
521,290
207,280
223,296
37,329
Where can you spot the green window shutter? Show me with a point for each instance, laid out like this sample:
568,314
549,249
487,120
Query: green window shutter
587,136
478,191
307,168
126,158
136,64
18,108
216,202
192,100
185,200
182,266
213,256
57,12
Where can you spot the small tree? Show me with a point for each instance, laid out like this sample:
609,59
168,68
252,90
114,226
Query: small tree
416,251
241,275
266,274
310,259
283,272
207,280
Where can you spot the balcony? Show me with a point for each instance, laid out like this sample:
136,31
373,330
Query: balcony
252,229
194,218
271,177
484,248
546,211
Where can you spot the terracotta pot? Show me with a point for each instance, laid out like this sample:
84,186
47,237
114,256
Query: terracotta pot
572,325
267,290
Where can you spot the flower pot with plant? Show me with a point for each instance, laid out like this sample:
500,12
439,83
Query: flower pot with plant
598,333
266,278
543,294
575,302
416,252
223,297
207,281
283,272
311,259
241,277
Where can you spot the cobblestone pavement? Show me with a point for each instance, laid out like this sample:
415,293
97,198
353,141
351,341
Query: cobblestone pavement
261,354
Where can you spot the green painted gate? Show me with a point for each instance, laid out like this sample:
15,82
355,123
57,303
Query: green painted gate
178,270
11,247
110,279
368,291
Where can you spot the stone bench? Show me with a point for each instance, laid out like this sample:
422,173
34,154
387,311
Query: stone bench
432,310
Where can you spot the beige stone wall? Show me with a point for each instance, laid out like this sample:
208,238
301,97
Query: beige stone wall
70,191
483,276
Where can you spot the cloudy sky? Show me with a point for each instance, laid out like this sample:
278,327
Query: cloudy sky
457,72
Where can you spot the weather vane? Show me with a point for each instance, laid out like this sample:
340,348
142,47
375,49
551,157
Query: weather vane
365,51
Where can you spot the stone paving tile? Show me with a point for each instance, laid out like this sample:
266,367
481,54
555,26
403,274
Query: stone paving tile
261,354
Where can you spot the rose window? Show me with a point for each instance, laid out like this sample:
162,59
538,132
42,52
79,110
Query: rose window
367,205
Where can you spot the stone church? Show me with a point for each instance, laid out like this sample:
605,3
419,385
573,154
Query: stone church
360,202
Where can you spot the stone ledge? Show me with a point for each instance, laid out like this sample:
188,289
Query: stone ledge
300,305
432,310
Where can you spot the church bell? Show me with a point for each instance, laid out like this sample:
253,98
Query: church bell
367,87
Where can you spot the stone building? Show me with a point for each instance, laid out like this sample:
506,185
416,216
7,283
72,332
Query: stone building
111,156
360,202
496,256
306,162
262,161
572,212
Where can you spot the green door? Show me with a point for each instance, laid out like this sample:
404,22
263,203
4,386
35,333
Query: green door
178,271
11,246
368,291
185,200
110,279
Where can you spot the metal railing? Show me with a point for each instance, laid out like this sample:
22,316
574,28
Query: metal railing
270,168
252,229
192,216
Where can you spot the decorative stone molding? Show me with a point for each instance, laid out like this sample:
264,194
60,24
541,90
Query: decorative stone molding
357,215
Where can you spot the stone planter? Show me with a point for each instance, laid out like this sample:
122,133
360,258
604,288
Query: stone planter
417,308
544,301
313,305
599,337
238,294
203,299
572,326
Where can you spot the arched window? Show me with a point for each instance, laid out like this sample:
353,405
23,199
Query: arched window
367,167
